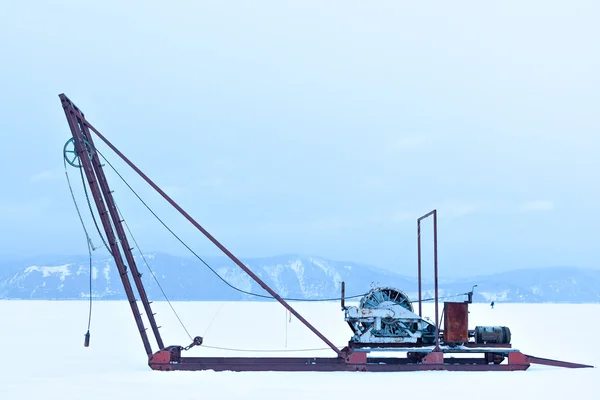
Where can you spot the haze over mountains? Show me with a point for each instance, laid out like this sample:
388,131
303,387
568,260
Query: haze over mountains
292,276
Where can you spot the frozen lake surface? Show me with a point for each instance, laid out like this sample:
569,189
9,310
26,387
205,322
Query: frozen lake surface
44,357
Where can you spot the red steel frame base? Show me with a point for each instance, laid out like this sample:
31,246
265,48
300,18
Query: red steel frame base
435,361
170,360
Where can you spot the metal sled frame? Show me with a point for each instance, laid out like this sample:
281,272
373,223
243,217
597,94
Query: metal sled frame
347,359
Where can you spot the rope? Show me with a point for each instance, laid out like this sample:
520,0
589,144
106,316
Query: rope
90,310
87,236
153,274
90,247
286,326
87,197
213,320
201,259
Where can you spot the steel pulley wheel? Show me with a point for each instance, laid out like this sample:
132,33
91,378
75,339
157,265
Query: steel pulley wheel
381,297
70,153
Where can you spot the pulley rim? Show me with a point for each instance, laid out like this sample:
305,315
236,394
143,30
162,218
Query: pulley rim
70,155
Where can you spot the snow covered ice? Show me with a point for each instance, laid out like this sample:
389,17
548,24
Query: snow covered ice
44,357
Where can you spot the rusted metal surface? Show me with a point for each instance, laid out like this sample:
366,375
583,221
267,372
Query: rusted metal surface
161,357
518,358
434,361
456,322
556,363
171,360
356,358
495,358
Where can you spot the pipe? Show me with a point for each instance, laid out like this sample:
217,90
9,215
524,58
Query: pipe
419,265
435,271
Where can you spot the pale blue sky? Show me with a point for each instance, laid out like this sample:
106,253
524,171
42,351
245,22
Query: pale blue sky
315,127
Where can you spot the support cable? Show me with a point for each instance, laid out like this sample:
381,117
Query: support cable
192,251
200,258
90,247
213,320
153,274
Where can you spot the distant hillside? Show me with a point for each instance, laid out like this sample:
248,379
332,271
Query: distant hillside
292,276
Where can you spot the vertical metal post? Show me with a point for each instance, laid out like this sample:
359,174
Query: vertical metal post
343,298
435,271
86,164
118,224
435,278
419,265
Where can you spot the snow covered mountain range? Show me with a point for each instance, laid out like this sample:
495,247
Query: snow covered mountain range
292,276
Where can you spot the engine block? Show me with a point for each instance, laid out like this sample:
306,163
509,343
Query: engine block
386,315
